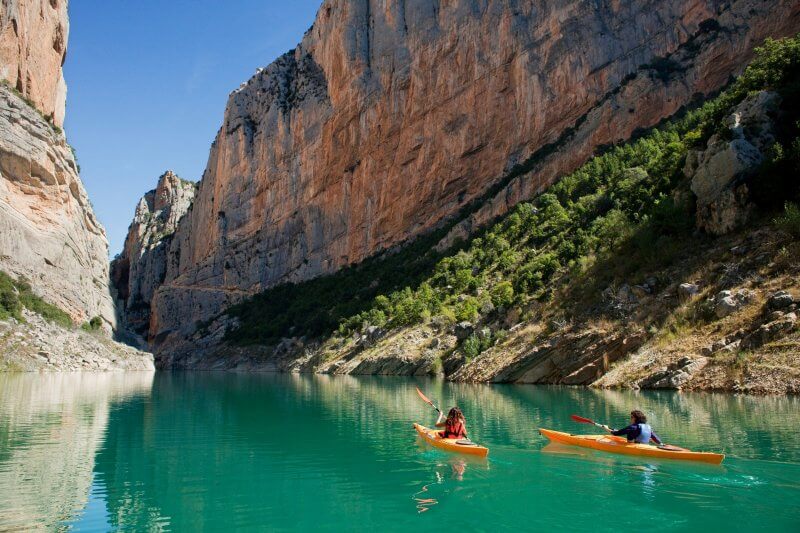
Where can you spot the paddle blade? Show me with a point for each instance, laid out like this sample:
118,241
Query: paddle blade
582,420
424,398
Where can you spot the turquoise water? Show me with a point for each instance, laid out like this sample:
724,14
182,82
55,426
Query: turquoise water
217,452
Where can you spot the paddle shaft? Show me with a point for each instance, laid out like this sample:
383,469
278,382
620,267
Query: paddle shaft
583,420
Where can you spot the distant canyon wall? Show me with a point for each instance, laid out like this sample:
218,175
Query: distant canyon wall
391,116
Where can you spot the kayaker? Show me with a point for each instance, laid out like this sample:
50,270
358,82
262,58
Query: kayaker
638,430
455,427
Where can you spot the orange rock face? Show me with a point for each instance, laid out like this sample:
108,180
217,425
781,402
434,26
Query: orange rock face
389,117
33,46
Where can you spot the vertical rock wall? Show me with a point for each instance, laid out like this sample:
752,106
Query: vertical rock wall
48,231
390,116
33,47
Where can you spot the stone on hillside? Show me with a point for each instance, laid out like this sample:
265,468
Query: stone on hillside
462,330
727,302
675,376
374,333
769,332
718,173
640,291
780,300
687,291
626,295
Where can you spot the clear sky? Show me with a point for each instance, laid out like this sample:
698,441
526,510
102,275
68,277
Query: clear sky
148,81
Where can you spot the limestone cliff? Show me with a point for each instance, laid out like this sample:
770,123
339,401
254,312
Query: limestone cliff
141,266
33,46
48,231
390,117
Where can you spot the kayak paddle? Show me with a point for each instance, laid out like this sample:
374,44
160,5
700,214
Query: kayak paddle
426,400
663,446
582,420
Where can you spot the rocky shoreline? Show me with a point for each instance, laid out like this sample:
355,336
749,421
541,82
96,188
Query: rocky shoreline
37,345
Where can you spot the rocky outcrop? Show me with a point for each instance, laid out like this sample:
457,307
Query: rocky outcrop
38,345
390,117
48,231
33,46
142,265
719,172
571,358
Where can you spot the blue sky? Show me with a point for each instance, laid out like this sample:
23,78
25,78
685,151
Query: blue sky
148,81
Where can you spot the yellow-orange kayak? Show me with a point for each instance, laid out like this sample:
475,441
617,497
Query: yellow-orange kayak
612,444
431,436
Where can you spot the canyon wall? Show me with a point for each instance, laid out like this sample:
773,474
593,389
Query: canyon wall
48,231
33,47
141,267
390,117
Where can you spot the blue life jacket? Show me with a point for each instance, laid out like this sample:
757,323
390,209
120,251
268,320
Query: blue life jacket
645,431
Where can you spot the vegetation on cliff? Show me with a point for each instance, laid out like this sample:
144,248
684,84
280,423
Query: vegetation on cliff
622,214
18,294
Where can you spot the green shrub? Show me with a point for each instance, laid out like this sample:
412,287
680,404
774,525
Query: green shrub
790,220
93,325
10,306
16,294
466,310
503,294
471,346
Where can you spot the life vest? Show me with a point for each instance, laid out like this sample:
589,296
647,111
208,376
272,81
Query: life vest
454,430
645,432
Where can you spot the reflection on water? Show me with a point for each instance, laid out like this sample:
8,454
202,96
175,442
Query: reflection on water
51,426
206,451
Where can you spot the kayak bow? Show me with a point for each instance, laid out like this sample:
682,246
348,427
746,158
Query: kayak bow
431,436
612,444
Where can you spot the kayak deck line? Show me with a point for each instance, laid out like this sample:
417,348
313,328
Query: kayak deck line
431,436
620,445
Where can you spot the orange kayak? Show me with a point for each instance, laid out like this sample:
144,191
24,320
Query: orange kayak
612,444
431,436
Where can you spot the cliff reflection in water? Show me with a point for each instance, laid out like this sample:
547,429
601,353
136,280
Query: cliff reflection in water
51,426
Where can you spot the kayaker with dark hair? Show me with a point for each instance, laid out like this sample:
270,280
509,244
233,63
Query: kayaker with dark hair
638,430
455,426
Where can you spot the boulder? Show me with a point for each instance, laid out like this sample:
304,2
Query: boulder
719,171
686,291
780,300
462,330
674,376
770,331
727,302
374,333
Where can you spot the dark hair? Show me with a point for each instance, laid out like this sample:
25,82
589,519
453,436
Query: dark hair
455,414
639,416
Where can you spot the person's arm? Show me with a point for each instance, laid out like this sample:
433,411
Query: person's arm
439,421
654,438
625,432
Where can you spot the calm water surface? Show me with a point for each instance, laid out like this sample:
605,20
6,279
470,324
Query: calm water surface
215,452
